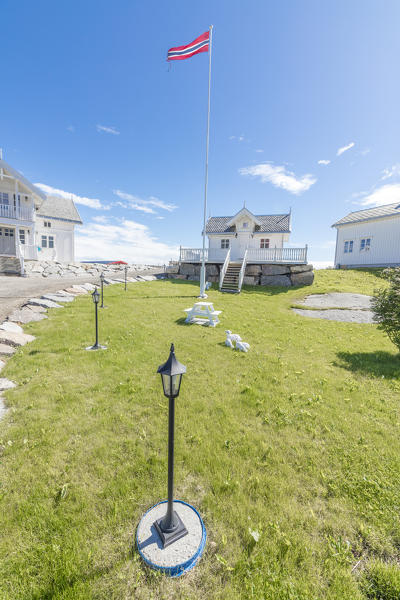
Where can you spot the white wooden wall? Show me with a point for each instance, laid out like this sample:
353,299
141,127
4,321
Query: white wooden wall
385,242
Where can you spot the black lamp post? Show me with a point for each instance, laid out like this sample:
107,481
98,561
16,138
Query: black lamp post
102,291
126,273
170,527
96,299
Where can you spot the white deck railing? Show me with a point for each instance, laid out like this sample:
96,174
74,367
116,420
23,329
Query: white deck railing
254,255
243,269
224,268
23,213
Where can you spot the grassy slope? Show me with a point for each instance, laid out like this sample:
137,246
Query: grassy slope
298,440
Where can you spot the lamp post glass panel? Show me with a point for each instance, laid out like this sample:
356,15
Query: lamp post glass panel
170,527
96,299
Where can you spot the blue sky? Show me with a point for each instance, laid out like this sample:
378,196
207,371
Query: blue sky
90,107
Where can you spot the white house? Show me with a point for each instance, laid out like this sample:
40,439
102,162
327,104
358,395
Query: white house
33,226
254,238
369,238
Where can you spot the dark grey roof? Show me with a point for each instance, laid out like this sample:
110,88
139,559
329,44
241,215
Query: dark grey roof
269,224
59,208
387,210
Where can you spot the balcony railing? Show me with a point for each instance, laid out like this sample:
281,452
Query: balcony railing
22,213
254,255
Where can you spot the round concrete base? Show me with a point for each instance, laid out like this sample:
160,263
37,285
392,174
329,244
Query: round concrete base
180,556
98,347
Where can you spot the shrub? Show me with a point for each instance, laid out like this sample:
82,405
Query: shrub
386,306
381,581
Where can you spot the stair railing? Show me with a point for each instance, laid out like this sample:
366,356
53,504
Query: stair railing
224,268
242,270
20,256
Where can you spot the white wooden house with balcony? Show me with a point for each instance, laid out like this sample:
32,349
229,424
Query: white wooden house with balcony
246,239
33,226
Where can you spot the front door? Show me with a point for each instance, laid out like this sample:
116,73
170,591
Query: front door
7,241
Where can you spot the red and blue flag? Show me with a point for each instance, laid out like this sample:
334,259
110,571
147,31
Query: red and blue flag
200,44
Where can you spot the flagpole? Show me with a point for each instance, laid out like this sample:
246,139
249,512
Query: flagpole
203,262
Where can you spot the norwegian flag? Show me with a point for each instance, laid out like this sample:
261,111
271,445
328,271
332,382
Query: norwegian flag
200,44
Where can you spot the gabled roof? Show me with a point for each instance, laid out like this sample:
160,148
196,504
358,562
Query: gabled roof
268,224
243,212
59,208
387,210
21,179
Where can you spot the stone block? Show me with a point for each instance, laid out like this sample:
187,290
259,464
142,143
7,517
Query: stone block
8,326
251,279
282,280
177,276
44,303
193,277
213,278
172,269
15,339
275,270
253,270
6,384
6,350
187,269
300,268
211,270
305,278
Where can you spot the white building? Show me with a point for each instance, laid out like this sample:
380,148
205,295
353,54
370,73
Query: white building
33,226
254,238
369,238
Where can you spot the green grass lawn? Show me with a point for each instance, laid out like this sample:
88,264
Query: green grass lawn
298,440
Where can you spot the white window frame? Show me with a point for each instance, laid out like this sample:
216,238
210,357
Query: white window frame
264,243
5,198
348,246
365,244
44,241
225,243
22,237
51,241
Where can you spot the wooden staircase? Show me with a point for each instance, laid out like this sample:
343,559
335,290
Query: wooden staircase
230,283
10,265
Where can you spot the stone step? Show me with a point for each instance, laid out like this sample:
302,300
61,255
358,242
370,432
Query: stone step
8,326
6,350
44,303
6,384
15,339
25,315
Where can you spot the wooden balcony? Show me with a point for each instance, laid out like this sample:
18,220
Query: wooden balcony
22,213
254,255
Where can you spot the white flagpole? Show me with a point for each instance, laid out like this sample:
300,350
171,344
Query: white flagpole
203,262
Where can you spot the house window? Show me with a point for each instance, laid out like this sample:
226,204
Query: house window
22,236
44,241
224,243
264,243
51,241
348,246
47,224
365,244
4,198
8,232
245,225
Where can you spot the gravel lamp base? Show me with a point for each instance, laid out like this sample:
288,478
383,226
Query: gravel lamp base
96,347
179,556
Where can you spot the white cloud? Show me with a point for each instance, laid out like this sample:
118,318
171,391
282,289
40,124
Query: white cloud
365,151
259,150
393,171
324,161
239,138
345,148
123,240
100,219
137,203
104,129
90,202
280,177
386,194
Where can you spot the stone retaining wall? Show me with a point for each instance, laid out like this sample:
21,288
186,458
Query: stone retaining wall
48,268
272,274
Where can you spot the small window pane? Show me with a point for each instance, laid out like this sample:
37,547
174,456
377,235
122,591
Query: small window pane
224,244
44,241
51,241
22,236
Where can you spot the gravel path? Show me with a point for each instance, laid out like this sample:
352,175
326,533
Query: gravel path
15,291
356,308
